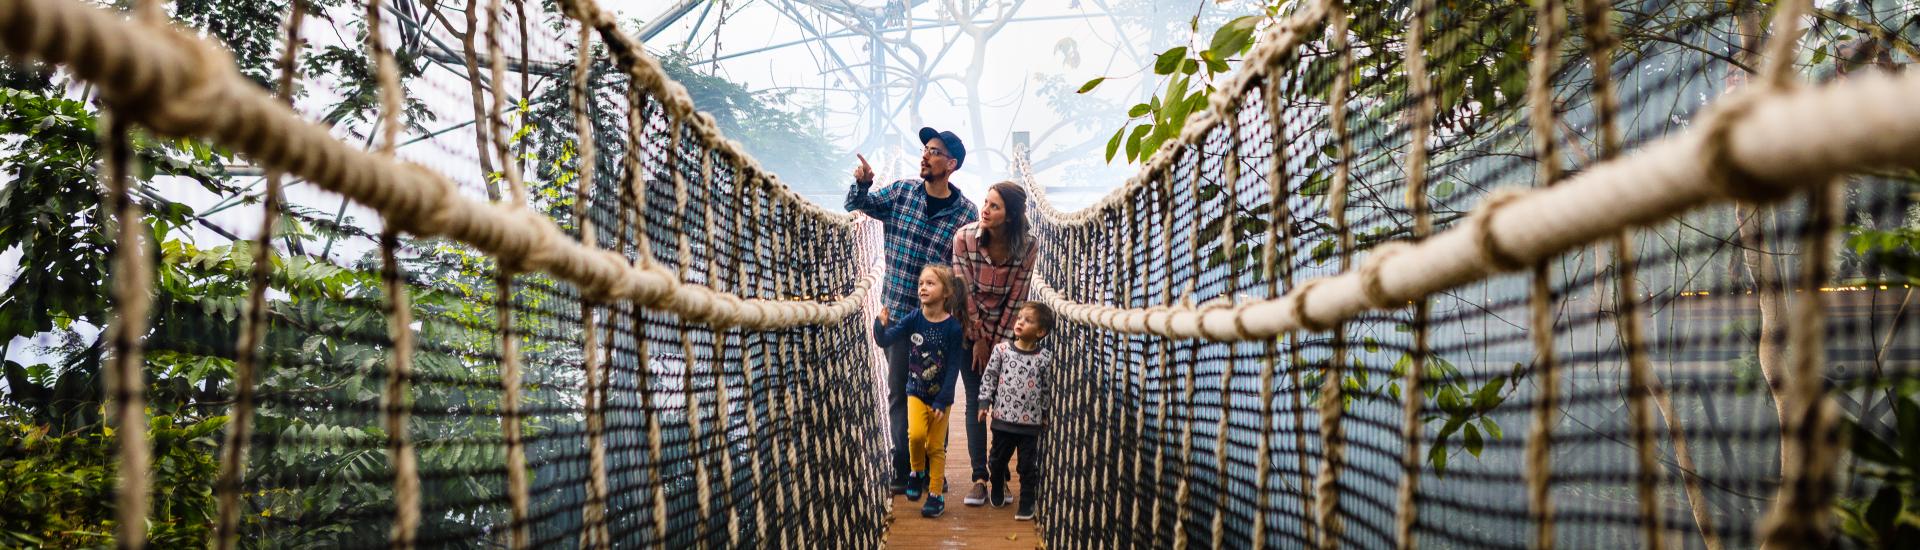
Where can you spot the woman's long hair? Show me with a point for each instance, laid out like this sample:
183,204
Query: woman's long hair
1014,222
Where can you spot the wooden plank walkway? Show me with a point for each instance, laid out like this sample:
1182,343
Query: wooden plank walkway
962,526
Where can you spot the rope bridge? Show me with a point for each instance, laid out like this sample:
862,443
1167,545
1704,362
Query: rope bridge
1294,327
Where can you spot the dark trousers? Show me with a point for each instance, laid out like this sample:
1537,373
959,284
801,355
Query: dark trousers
976,428
1005,444
897,408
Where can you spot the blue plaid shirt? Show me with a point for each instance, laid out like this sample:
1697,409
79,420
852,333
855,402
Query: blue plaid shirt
913,239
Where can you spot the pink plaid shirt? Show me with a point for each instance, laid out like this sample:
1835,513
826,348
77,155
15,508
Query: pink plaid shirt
993,289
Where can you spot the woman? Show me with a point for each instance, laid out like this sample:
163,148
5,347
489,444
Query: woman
994,259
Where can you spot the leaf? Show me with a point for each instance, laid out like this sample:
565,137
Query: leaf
1492,428
1133,140
1884,509
1438,457
1907,414
1113,145
1443,190
1088,87
1488,396
1473,441
1230,39
1868,446
1373,346
1169,60
1139,109
1819,54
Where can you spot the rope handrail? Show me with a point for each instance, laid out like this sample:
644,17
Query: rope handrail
177,84
1863,122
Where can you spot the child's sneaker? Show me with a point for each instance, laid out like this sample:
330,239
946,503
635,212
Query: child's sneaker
935,506
978,495
915,483
998,495
1026,510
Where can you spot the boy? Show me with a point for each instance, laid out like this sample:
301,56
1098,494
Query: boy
1015,391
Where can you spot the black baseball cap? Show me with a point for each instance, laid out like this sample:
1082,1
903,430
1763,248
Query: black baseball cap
954,147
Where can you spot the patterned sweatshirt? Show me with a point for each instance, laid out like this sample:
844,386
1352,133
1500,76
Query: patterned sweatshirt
935,358
1015,386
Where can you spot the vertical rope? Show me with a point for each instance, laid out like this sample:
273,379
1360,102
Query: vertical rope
742,202
779,403
1798,516
1184,490
1419,126
126,377
1130,282
1166,349
718,360
696,440
1550,16
395,405
502,145
400,451
1276,183
594,512
1281,229
1596,16
131,294
1230,224
510,369
1332,398
233,459
510,376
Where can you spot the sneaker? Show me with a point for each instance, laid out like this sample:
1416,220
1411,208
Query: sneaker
978,495
914,484
998,495
1026,510
935,506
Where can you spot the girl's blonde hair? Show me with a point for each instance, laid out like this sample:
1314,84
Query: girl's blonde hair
956,292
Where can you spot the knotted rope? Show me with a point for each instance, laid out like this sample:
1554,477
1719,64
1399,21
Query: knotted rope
1550,16
1332,406
234,447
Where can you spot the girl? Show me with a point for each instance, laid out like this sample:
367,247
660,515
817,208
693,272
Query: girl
937,354
994,257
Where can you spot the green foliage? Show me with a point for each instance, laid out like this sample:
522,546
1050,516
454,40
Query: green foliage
772,126
1893,253
1162,117
60,487
1449,396
1890,457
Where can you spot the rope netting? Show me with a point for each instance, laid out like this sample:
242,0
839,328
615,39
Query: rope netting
609,327
1295,327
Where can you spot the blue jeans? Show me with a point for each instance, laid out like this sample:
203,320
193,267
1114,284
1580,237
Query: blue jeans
976,430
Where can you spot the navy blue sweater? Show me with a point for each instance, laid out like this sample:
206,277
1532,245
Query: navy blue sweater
938,353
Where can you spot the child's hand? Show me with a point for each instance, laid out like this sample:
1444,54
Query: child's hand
986,414
886,317
939,416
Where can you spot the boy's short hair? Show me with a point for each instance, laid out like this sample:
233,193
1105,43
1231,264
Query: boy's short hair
1041,314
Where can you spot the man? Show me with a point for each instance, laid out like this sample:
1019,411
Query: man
920,217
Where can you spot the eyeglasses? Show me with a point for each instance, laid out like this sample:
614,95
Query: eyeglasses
935,152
